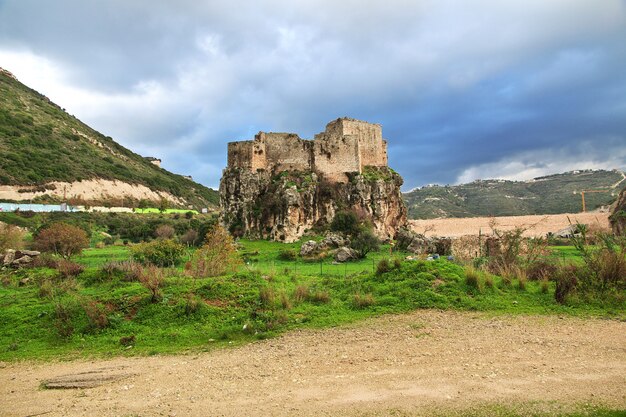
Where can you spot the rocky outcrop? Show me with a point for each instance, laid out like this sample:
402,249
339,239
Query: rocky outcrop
618,216
411,241
16,258
283,206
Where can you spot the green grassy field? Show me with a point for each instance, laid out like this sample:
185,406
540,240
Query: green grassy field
265,297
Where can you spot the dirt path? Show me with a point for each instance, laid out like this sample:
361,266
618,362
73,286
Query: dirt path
406,364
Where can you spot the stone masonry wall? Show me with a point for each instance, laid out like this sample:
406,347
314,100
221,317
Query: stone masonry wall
346,145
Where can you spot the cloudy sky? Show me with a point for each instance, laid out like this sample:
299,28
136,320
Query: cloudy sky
464,90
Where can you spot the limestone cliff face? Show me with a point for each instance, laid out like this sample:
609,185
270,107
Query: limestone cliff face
283,206
618,217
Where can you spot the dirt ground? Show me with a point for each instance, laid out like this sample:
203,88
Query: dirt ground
422,363
537,226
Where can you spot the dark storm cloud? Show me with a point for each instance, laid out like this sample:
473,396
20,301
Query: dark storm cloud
493,89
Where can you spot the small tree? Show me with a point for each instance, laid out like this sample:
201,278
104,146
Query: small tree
152,278
216,257
62,239
11,237
164,231
189,238
364,242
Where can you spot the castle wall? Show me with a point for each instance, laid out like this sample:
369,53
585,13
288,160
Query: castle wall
346,145
334,155
240,154
286,151
372,148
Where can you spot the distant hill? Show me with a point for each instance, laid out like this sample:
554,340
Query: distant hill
552,194
45,152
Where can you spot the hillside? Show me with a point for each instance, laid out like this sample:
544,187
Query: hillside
46,152
551,194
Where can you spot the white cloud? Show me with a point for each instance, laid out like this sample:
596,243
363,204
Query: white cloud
533,164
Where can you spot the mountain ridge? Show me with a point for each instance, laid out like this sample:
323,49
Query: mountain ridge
44,151
549,194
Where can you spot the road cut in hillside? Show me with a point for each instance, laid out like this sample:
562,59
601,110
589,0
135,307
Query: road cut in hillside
419,364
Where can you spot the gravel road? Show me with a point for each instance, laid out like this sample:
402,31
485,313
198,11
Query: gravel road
422,363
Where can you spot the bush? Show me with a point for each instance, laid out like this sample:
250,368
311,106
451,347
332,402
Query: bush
96,314
345,222
472,278
319,297
152,278
162,252
11,237
62,239
216,257
383,266
365,242
127,270
164,231
541,270
566,282
189,238
69,269
287,255
363,301
64,311
301,293
267,297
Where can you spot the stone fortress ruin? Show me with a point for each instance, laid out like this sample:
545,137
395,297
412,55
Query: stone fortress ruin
280,186
346,146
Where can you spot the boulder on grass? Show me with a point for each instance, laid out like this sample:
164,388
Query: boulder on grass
345,253
308,248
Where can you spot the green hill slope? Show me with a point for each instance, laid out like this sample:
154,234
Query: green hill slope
552,194
41,143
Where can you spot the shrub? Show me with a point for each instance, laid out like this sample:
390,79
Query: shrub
266,296
284,301
301,293
96,314
46,289
489,280
604,264
69,269
152,278
62,239
319,297
521,282
162,252
287,255
127,270
472,278
64,311
363,301
383,266
45,260
189,238
365,242
545,286
11,237
541,270
566,281
216,257
345,222
164,231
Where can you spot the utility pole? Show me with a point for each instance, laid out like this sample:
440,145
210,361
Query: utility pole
582,195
